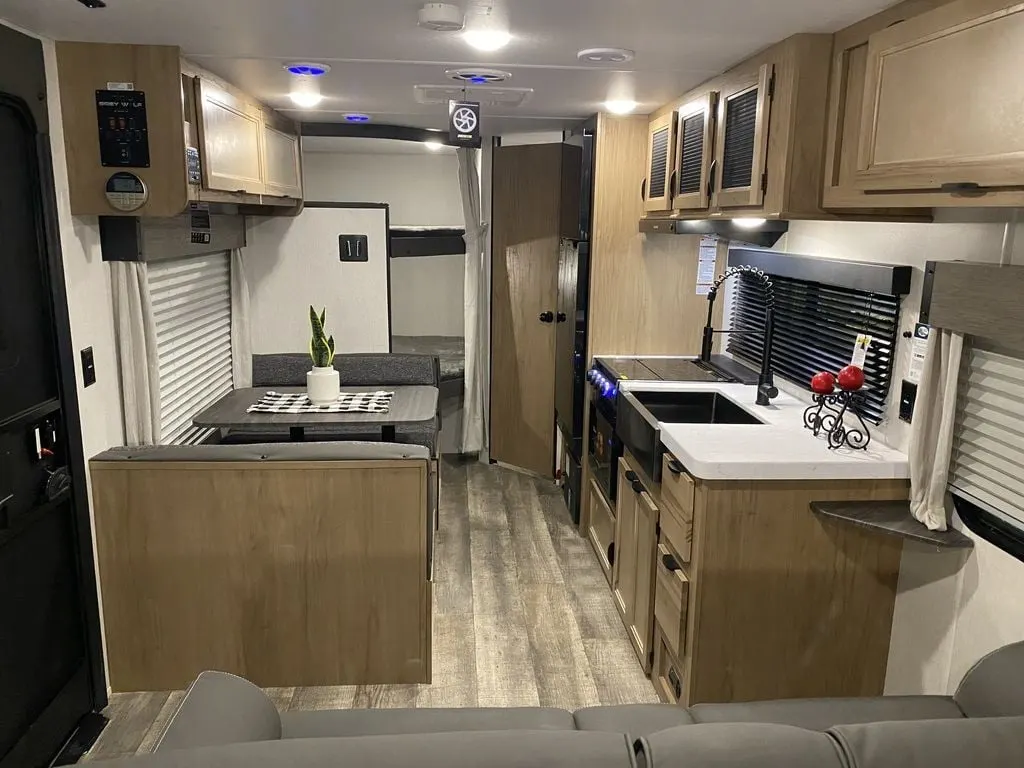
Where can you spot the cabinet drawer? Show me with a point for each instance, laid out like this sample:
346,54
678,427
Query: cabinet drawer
602,529
667,674
677,496
671,599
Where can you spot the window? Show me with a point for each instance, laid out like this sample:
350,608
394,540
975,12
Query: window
192,312
816,326
987,467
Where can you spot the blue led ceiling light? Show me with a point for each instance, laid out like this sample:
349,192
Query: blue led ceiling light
309,70
356,117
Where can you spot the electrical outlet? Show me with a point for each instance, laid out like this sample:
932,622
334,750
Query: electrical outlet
354,247
88,367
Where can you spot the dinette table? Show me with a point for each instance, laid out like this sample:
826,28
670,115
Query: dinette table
410,405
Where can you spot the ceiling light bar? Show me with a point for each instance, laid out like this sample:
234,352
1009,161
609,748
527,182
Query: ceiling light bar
357,117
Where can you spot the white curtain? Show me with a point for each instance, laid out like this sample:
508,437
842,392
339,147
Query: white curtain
136,352
241,333
474,437
931,435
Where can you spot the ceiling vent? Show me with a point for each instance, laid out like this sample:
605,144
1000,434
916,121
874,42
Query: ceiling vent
606,55
488,97
478,75
442,17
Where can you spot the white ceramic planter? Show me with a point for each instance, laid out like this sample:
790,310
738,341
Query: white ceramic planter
322,386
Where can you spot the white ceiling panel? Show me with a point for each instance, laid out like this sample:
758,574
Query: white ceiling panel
377,53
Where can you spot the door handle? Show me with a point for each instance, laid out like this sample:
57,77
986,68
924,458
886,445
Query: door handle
643,190
547,317
561,317
675,467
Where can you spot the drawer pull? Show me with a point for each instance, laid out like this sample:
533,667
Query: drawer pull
675,467
638,487
671,564
677,686
964,189
611,553
631,476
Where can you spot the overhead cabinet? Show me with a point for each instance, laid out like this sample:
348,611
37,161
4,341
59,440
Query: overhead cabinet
743,117
942,101
282,163
694,154
231,134
657,187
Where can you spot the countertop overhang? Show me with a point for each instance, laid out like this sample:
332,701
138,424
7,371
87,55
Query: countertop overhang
779,449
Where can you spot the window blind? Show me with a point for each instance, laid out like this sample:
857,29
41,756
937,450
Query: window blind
659,162
740,133
816,326
691,163
191,300
987,467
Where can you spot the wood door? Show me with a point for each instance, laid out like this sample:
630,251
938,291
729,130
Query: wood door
231,136
741,144
657,188
624,569
524,289
942,100
695,141
282,169
643,602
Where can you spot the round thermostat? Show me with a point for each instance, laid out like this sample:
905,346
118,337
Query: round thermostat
126,192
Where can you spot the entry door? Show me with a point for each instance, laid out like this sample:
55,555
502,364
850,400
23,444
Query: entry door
524,291
46,682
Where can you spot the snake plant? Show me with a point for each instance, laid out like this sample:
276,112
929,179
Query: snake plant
321,347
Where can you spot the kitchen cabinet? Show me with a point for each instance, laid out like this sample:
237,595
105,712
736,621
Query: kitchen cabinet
657,186
601,529
636,540
942,95
282,169
744,111
231,140
695,162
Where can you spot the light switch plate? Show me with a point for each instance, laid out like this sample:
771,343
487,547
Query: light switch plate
88,367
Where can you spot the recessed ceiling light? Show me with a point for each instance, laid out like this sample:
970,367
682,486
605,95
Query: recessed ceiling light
749,223
442,17
620,106
93,3
357,117
606,55
478,75
305,92
433,145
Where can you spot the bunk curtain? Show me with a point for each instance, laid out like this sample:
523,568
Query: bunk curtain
135,332
474,436
933,427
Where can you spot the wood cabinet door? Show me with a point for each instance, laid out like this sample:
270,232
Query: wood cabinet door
643,601
942,100
231,137
695,163
657,187
624,569
601,530
741,143
282,169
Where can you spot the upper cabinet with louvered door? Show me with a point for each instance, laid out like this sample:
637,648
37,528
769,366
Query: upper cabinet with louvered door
657,190
231,140
942,101
282,169
741,146
694,154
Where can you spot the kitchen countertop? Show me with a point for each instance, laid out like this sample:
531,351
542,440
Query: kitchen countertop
779,449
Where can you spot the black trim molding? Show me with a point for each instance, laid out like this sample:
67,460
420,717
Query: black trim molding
374,131
990,527
866,276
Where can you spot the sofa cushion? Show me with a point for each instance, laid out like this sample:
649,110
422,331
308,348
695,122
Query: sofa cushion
821,714
382,722
967,743
739,745
994,687
220,708
507,749
633,719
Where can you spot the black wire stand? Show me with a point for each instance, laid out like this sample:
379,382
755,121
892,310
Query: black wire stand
828,415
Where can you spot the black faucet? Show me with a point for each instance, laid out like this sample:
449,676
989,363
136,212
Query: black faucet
766,390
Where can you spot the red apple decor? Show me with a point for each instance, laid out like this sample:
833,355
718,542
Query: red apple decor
823,383
851,378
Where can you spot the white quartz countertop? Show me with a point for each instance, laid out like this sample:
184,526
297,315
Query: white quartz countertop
779,449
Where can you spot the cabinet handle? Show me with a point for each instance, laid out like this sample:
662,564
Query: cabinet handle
964,189
547,317
561,317
675,467
671,564
611,553
638,487
643,190
631,476
673,680
712,169
672,183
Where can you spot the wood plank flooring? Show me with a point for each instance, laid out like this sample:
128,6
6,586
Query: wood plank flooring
522,617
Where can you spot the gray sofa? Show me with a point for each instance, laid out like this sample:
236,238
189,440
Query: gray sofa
225,722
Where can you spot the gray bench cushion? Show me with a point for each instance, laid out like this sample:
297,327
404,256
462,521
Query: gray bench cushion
220,708
994,687
740,745
968,743
341,451
634,719
507,749
289,369
382,722
822,714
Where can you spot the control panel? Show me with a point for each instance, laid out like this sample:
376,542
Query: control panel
604,385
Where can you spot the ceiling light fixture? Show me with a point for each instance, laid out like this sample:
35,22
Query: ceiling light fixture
606,55
749,223
305,91
92,4
433,145
478,75
357,117
442,17
487,25
620,106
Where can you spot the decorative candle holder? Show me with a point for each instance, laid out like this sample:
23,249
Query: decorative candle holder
828,415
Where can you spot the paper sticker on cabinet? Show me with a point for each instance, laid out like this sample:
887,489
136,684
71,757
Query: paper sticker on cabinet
707,263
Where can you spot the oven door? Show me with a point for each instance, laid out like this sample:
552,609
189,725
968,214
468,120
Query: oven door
605,450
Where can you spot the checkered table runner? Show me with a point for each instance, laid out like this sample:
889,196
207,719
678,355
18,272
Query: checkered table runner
348,402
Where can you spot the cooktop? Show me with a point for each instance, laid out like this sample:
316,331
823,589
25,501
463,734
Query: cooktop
658,369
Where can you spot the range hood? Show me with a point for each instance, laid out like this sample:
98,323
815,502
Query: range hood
763,233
